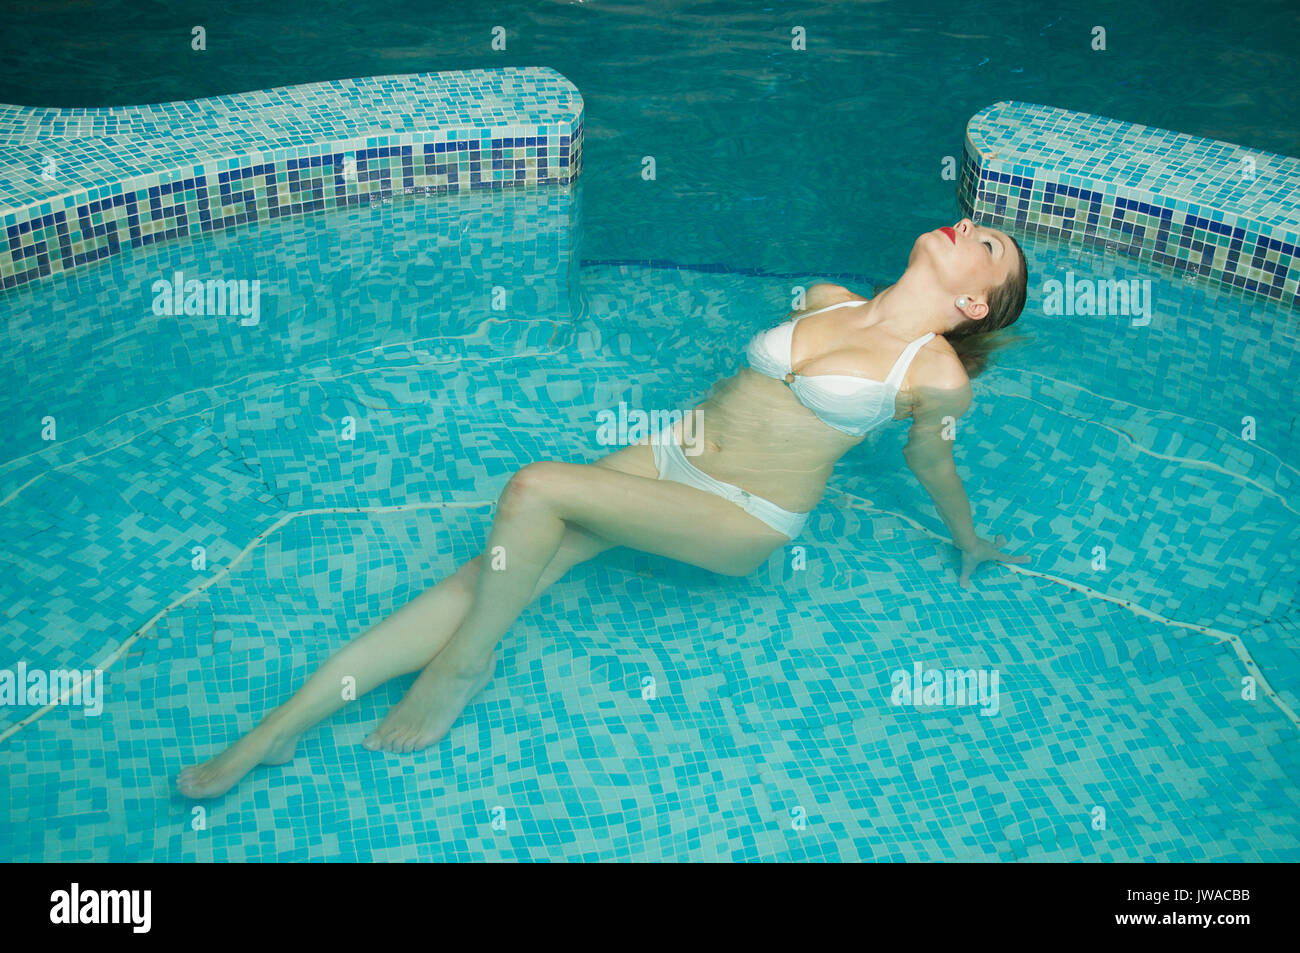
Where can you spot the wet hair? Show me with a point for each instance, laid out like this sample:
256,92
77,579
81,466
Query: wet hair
976,341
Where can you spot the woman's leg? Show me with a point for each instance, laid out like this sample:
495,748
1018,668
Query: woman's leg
540,501
404,642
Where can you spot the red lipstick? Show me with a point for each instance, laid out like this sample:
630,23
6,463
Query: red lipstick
950,232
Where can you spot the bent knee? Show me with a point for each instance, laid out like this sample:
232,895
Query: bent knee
530,484
520,481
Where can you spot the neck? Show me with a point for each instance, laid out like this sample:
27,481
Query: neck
908,313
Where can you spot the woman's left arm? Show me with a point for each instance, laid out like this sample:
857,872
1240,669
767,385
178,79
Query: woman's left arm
928,453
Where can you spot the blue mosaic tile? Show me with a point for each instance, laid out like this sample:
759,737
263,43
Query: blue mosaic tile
79,185
1214,208
772,736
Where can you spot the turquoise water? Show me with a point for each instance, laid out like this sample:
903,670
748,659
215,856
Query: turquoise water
826,161
771,734
772,704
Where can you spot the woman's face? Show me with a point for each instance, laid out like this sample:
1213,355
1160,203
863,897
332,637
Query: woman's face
966,258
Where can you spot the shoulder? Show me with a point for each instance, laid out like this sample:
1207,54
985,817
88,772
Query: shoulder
940,383
822,294
943,367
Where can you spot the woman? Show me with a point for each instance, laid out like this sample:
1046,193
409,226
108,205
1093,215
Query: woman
772,433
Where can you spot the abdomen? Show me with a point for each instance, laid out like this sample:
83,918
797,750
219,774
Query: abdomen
753,432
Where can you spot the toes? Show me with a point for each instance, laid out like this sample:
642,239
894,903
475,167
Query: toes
383,738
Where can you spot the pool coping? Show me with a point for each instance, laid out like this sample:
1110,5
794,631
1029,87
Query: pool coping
1198,205
80,185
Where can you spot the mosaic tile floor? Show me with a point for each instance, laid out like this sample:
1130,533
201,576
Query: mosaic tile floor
771,735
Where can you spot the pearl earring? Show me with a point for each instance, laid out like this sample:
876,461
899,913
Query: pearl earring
961,302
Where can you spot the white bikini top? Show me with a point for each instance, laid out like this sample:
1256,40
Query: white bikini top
852,405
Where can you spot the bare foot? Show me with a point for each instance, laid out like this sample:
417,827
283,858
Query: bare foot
218,775
428,711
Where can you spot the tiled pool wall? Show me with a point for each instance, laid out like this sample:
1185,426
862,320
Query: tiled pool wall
80,185
1221,210
427,271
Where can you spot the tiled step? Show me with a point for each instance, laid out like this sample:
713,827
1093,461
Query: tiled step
79,185
1219,209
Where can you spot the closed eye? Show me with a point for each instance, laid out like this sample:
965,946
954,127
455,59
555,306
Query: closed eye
989,246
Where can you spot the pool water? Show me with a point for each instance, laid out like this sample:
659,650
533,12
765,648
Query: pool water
772,704
771,733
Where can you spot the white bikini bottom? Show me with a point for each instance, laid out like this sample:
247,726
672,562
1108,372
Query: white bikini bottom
674,466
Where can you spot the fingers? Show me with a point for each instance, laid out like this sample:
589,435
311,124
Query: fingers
970,563
967,565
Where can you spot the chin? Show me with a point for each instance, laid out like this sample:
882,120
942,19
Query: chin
928,245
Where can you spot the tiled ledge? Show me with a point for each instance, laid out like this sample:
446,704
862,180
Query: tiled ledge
78,185
1201,205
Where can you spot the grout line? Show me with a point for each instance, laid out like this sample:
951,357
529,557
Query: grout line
257,540
1255,448
1218,635
1190,462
